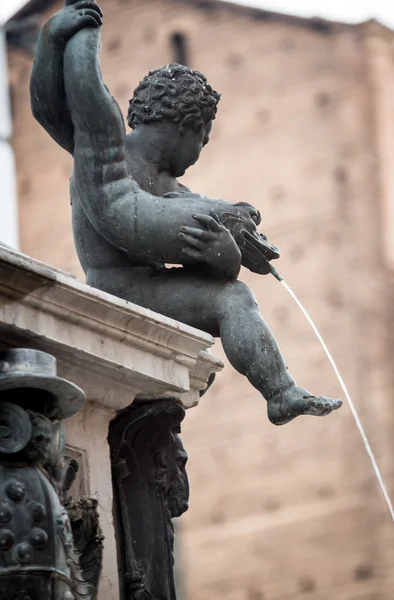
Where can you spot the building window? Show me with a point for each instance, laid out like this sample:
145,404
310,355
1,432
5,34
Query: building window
179,48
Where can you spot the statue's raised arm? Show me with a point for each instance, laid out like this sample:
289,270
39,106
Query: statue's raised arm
48,98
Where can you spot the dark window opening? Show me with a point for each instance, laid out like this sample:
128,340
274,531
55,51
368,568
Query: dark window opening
179,48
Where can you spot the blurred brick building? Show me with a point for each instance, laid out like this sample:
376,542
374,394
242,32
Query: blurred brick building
305,133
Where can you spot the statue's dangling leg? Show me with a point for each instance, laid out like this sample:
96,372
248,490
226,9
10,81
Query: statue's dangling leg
227,309
253,351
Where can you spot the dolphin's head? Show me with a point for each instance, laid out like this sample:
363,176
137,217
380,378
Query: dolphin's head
256,250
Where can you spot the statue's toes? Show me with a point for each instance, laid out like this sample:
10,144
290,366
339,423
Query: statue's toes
316,407
331,404
321,406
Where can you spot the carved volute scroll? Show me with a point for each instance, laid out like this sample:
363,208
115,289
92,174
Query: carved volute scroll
151,488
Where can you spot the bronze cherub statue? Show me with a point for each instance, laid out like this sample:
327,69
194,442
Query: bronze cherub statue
131,217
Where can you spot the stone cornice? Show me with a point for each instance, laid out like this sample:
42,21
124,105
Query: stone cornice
113,349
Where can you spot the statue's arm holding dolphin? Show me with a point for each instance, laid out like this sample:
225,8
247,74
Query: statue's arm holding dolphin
144,226
47,94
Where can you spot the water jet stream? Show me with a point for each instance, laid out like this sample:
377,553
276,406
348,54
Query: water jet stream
360,427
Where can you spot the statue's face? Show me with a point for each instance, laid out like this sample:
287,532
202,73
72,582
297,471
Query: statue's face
187,148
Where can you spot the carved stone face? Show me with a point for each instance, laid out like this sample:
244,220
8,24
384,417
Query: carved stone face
186,148
178,490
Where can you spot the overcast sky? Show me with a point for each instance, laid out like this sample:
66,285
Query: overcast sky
338,10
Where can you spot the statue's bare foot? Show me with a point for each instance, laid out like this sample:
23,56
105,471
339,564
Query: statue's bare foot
295,402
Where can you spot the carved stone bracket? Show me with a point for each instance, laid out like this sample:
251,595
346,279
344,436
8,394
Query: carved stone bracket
151,488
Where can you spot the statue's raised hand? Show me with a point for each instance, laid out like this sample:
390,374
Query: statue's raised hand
72,18
213,245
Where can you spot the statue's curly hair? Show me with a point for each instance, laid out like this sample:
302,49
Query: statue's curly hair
174,94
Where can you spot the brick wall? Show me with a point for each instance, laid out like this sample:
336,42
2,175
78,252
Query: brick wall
303,134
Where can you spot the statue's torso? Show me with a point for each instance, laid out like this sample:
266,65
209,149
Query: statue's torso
93,250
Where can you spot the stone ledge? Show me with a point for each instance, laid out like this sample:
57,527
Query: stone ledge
113,349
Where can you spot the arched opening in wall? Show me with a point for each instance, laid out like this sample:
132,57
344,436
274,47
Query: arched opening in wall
179,45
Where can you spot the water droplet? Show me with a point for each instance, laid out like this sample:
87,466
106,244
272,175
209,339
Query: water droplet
37,511
23,553
6,539
39,538
5,513
15,490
